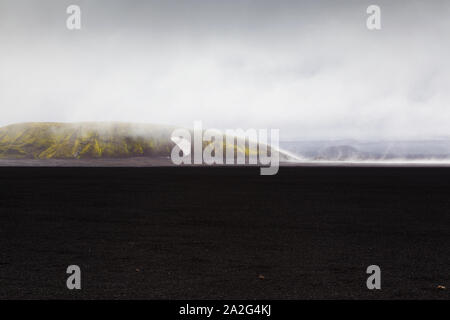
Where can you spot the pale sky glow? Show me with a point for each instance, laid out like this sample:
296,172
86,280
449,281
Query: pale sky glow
309,68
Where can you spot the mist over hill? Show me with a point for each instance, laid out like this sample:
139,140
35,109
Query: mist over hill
83,140
89,141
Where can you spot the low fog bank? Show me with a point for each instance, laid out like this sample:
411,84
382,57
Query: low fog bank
425,151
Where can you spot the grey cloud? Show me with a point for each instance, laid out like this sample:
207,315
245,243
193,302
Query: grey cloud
310,68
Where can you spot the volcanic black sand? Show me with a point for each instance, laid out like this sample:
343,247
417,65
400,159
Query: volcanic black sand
213,233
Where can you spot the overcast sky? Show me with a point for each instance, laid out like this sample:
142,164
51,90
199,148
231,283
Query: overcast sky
308,68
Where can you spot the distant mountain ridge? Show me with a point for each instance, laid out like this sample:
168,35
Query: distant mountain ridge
353,150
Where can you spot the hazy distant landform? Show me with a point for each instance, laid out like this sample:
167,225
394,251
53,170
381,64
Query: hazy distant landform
426,151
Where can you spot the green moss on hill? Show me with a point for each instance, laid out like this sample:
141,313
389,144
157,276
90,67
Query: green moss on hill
83,140
91,141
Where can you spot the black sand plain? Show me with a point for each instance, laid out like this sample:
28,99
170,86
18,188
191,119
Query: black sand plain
224,233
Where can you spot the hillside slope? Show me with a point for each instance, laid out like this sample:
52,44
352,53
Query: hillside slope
92,140
83,140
